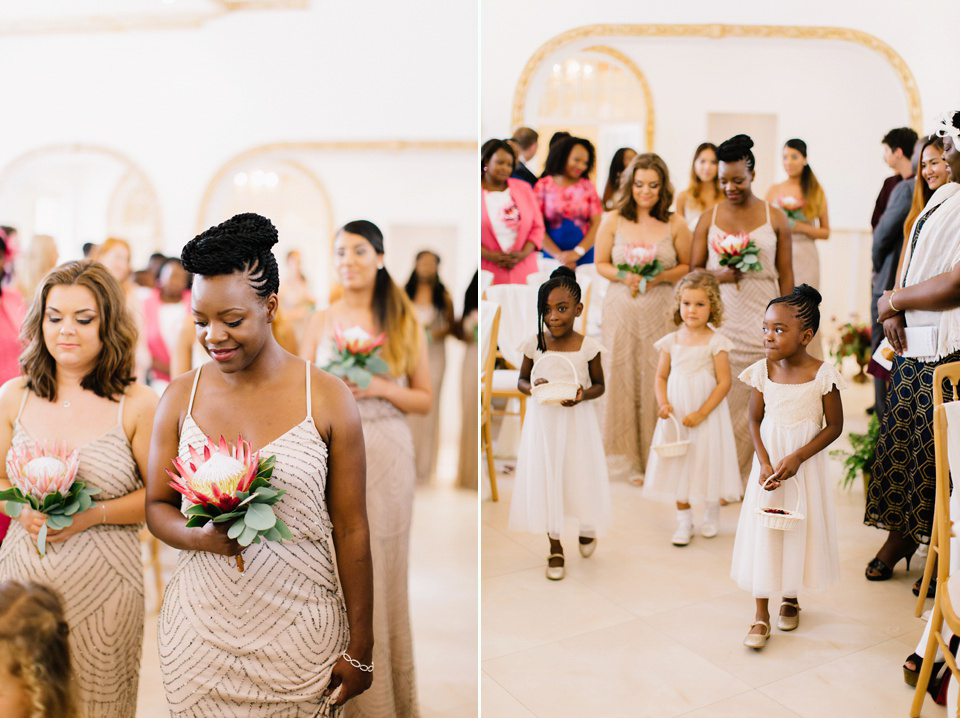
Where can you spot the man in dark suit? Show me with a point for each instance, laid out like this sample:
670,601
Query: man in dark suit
525,141
887,243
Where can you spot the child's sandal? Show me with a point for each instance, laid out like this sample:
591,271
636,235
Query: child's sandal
555,573
757,640
788,623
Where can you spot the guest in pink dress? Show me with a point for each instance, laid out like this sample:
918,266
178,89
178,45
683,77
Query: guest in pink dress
511,224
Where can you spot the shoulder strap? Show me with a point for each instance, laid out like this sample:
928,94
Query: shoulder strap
23,402
309,399
193,391
123,398
767,205
713,217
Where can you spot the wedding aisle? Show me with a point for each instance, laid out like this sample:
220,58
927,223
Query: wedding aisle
443,608
643,628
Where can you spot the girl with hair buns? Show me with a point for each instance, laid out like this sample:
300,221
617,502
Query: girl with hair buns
633,320
372,302
36,680
284,638
78,387
745,296
795,414
802,199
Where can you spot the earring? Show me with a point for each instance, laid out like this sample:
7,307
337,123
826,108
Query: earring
380,266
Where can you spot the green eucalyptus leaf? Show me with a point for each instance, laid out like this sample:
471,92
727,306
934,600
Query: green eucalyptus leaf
247,537
13,508
236,529
360,377
222,518
85,502
260,517
264,494
272,534
51,499
285,532
71,508
196,510
256,539
42,539
377,365
196,521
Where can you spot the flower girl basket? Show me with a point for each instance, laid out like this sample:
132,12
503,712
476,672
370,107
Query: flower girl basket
673,448
554,393
786,521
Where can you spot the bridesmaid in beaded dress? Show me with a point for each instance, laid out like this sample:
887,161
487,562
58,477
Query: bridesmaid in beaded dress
703,193
745,296
284,638
808,223
632,321
77,386
374,303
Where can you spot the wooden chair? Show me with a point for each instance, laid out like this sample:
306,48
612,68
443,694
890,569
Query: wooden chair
518,320
947,586
950,372
486,397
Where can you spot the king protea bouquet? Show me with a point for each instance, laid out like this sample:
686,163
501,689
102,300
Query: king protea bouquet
793,208
357,357
640,260
231,484
737,251
45,479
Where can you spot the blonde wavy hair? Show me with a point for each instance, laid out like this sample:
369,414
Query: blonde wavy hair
704,280
34,648
34,262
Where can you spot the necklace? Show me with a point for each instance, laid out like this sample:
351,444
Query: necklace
66,405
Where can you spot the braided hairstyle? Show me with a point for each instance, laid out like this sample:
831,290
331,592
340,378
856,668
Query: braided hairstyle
34,648
805,301
736,149
561,277
241,244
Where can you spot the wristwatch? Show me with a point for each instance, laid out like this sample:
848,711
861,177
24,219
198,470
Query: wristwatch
579,250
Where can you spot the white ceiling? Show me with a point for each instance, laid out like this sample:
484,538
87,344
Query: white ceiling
57,16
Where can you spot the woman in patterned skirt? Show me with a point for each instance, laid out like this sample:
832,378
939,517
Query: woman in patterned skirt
745,296
372,302
634,320
901,493
284,638
77,387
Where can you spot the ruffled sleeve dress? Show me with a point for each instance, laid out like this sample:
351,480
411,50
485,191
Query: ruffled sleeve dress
769,562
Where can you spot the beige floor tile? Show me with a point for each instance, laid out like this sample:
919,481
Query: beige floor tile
502,554
865,683
626,670
745,705
496,702
524,609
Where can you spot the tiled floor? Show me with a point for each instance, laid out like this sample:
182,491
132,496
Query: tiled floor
443,598
643,628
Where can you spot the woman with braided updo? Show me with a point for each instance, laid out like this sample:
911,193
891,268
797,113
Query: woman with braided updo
284,638
561,466
795,414
36,678
372,302
745,296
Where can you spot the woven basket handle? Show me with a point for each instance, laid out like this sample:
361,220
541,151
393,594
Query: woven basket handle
760,500
676,425
536,366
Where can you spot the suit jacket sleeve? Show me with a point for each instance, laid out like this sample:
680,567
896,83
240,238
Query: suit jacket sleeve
888,236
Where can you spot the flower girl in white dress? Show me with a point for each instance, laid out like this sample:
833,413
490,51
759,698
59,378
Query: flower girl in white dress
793,393
693,378
561,465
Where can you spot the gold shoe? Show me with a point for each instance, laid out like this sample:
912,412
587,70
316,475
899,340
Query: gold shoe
587,549
788,623
757,640
555,573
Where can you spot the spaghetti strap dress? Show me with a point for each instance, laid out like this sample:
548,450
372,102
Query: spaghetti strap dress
631,324
262,642
743,308
99,574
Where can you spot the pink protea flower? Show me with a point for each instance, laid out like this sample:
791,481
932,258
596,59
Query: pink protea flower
357,341
791,203
43,470
214,476
638,255
730,245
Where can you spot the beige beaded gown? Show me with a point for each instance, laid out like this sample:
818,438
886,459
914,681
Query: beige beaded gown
260,643
100,576
743,309
630,327
426,427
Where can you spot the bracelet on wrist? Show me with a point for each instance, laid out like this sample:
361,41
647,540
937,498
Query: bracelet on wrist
579,251
890,301
357,664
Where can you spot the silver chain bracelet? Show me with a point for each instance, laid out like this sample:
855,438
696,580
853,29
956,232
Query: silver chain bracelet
357,664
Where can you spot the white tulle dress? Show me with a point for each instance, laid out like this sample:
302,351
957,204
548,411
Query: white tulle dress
561,465
769,562
709,470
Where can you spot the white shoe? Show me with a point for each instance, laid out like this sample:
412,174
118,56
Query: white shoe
554,573
708,530
711,519
587,549
683,534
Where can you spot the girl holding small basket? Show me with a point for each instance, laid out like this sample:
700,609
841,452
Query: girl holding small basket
561,465
787,538
693,379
